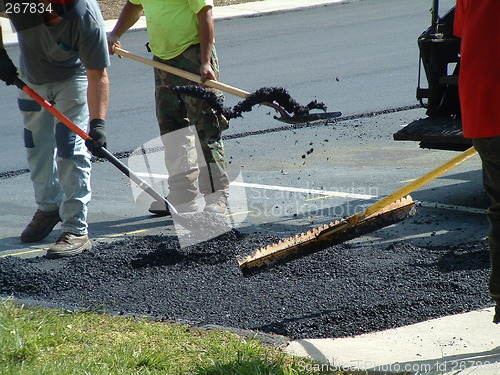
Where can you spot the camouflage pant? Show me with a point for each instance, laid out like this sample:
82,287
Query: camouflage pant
176,116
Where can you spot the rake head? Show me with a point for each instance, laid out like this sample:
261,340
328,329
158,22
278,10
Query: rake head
324,236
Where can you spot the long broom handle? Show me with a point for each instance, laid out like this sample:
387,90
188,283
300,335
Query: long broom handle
414,185
182,73
109,156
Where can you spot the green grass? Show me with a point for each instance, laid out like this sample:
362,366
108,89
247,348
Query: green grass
52,341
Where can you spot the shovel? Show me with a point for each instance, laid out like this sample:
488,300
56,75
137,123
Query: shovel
188,221
284,115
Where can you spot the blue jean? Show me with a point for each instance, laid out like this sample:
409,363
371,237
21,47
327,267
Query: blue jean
489,151
58,159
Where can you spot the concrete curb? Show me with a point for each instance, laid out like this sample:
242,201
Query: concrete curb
251,9
458,344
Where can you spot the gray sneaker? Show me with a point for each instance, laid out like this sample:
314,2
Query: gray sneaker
40,226
69,244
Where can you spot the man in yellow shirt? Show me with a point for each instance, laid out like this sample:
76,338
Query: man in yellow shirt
181,34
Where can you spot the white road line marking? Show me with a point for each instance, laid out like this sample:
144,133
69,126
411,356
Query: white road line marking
152,175
329,193
305,191
278,188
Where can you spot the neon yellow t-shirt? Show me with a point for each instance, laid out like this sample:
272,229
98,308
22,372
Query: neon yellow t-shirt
172,25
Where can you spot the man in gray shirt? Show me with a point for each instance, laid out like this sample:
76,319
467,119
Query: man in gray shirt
64,56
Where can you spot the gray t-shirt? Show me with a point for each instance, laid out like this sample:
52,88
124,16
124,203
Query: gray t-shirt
55,53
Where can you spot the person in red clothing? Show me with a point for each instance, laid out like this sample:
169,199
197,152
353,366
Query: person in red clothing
476,23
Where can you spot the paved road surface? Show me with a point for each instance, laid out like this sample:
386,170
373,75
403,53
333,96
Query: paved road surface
359,57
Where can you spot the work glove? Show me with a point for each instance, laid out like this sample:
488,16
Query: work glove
8,71
97,138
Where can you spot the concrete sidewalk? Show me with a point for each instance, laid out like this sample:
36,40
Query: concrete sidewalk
220,13
461,344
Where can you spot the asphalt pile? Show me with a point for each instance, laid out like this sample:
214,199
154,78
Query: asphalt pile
341,291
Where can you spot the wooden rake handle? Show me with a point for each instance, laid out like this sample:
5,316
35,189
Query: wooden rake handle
285,116
182,73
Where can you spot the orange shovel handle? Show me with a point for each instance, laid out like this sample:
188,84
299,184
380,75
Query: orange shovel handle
109,156
49,107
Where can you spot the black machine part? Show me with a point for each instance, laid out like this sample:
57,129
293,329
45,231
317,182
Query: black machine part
440,56
440,61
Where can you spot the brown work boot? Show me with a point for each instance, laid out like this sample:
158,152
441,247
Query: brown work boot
216,202
40,226
69,244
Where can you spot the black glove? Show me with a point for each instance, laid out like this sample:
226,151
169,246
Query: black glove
8,71
97,138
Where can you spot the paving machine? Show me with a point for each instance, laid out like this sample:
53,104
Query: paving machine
440,63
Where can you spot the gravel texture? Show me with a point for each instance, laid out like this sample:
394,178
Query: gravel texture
341,291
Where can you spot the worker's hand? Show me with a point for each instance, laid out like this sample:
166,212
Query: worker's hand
8,71
113,41
97,138
207,72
